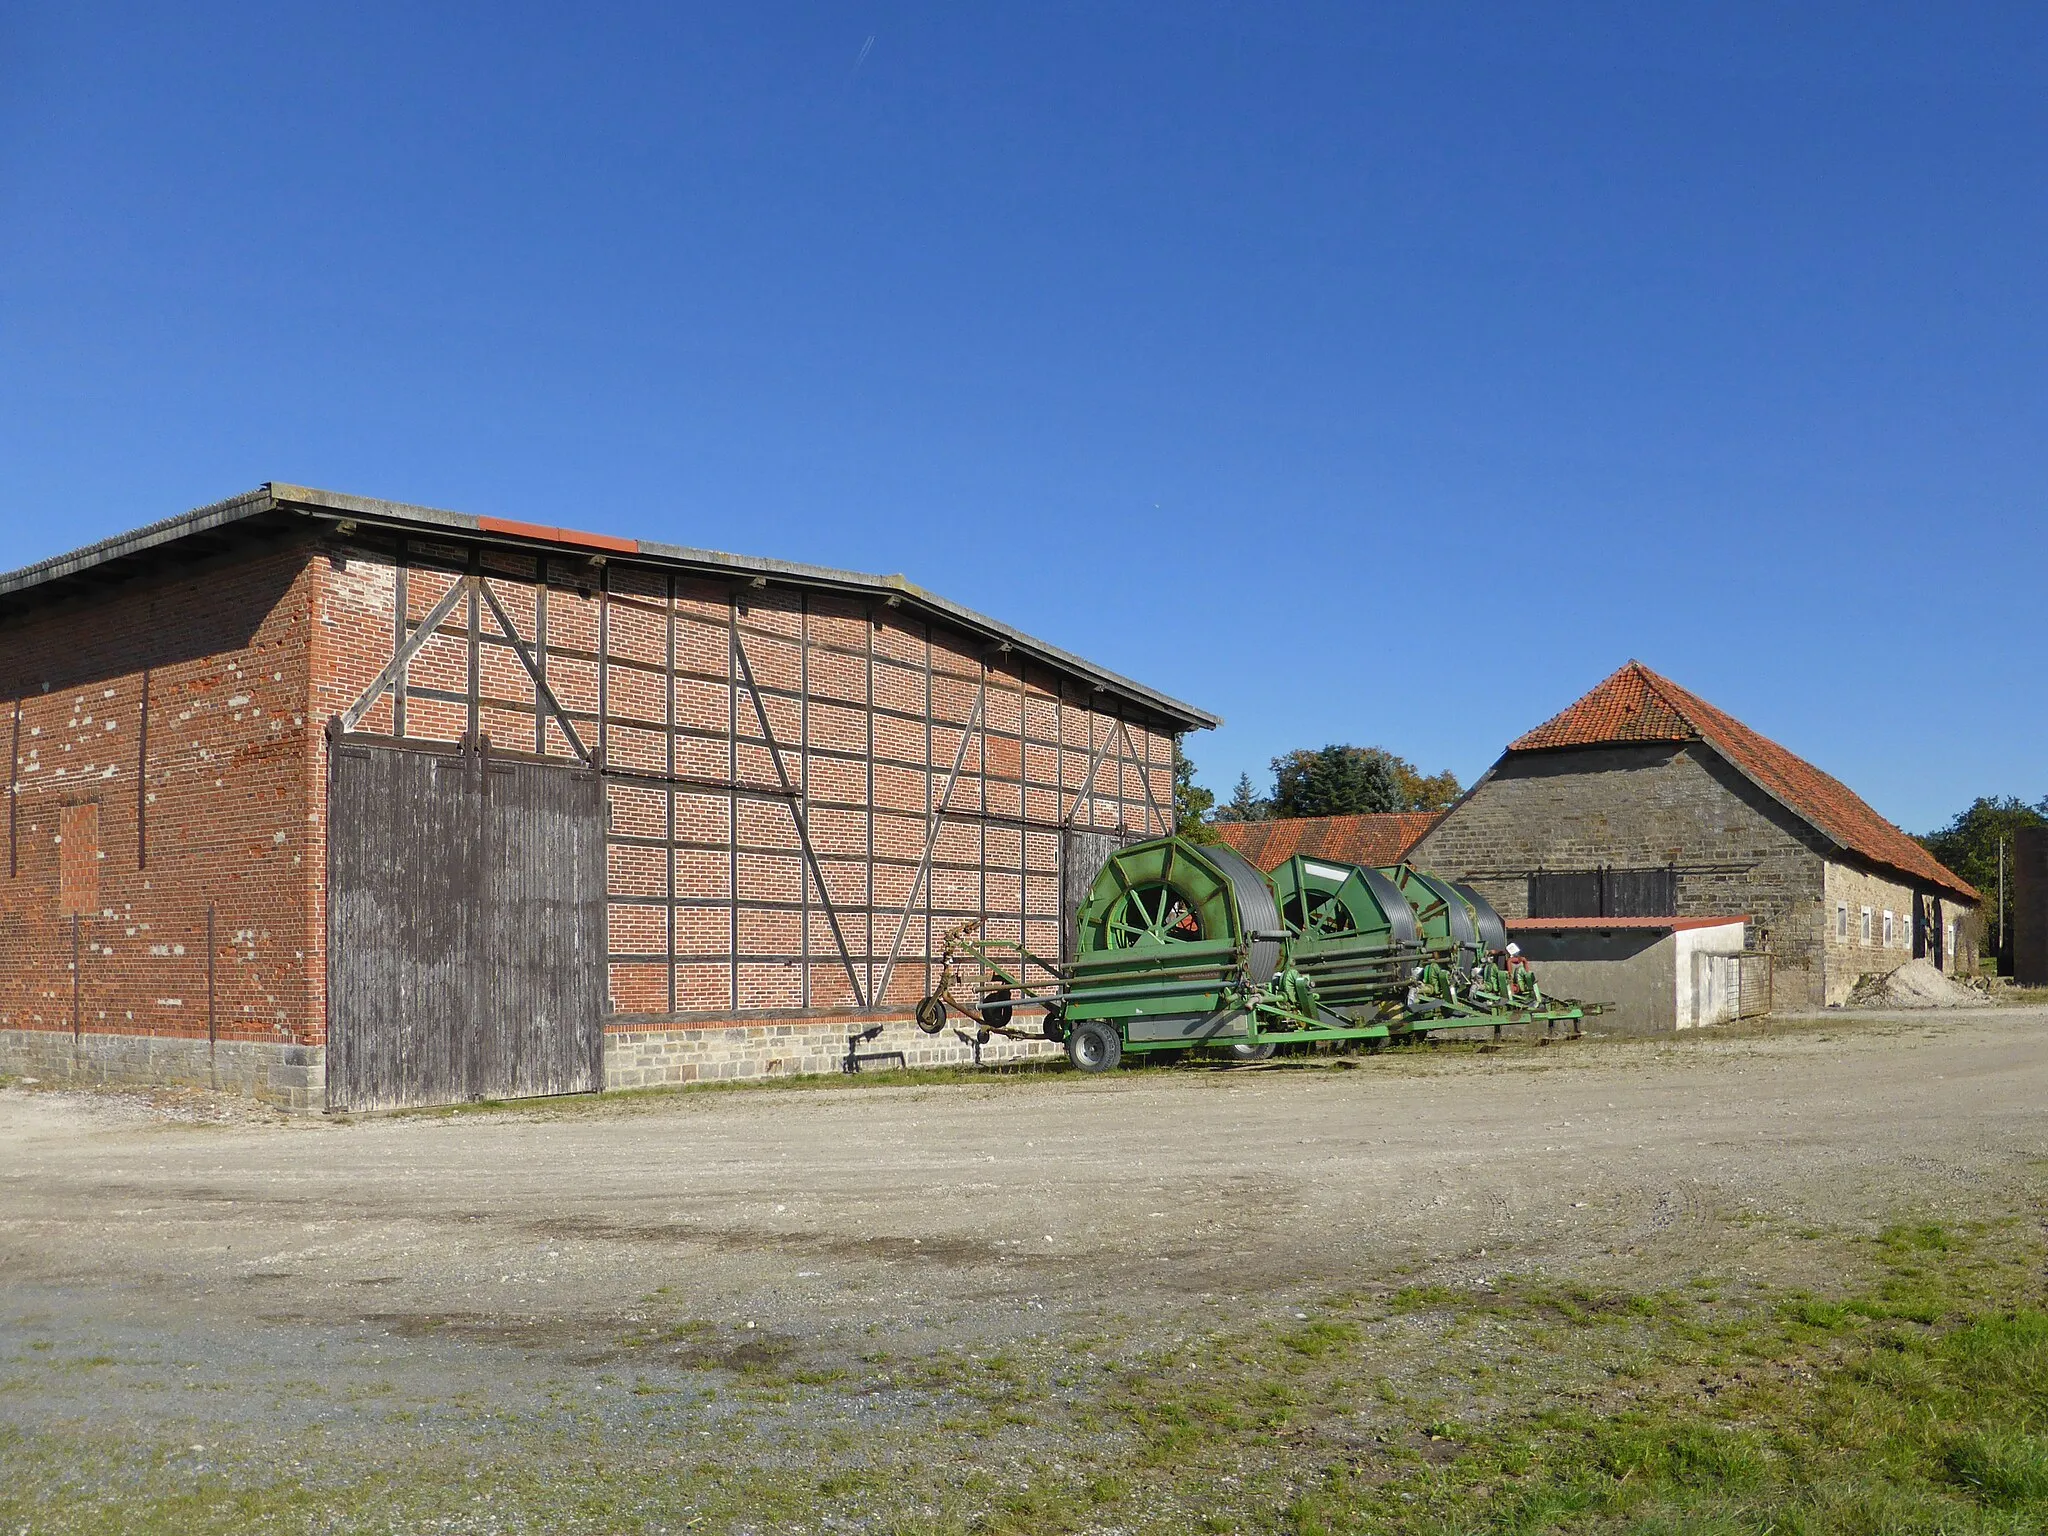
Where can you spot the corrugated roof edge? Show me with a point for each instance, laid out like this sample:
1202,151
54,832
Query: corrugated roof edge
134,542
278,494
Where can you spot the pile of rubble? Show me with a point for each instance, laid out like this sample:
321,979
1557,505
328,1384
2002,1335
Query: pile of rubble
1916,984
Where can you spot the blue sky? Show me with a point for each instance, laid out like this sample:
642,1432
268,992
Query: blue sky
1363,373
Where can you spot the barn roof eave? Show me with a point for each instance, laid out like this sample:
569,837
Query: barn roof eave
337,506
137,541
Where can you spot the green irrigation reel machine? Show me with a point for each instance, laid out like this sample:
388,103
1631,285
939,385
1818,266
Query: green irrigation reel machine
1185,945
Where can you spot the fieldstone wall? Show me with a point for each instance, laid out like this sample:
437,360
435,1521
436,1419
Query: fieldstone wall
1850,956
1643,807
293,1076
652,1056
288,1075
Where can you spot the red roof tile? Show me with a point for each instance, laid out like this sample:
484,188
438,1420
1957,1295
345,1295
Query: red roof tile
1635,704
1381,838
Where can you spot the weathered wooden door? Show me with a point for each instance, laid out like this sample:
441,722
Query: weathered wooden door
1082,855
466,928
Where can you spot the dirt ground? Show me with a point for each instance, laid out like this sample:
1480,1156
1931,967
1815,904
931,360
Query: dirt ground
188,1270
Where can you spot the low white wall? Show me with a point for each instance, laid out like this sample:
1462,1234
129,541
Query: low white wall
1707,987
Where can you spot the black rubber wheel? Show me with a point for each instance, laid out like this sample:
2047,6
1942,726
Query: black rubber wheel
931,1014
1055,1025
996,1010
1095,1046
1246,1050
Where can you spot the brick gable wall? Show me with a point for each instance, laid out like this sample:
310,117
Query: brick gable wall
134,829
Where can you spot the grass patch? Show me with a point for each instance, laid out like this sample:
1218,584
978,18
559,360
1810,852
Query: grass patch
1911,1398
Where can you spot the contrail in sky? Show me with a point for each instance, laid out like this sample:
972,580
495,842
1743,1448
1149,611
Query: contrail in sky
865,48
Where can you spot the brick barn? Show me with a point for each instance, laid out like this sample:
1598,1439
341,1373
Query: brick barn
346,803
1642,800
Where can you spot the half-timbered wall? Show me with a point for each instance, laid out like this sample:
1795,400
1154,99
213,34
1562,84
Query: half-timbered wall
806,789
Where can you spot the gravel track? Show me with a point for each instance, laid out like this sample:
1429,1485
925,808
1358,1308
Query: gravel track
290,1272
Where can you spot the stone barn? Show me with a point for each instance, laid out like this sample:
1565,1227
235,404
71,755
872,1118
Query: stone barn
352,804
1642,800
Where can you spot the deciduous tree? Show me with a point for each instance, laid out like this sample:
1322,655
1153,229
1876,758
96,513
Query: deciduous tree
1969,846
1191,803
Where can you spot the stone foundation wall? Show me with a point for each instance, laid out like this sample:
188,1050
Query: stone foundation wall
289,1076
688,1053
294,1077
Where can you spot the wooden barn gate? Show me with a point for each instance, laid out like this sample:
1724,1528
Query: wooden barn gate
466,927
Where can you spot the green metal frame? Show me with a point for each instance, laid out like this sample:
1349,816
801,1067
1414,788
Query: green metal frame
1164,951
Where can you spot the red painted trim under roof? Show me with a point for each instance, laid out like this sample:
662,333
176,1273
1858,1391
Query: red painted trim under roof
520,530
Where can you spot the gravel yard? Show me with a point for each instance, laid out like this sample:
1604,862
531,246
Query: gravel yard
788,1282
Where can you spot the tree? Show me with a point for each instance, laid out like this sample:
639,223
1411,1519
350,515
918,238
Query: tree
1969,846
1191,802
1433,792
1335,781
1347,781
1245,803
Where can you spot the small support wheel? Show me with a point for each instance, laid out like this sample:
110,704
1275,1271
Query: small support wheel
1055,1025
1095,1045
1253,1050
931,1014
996,1009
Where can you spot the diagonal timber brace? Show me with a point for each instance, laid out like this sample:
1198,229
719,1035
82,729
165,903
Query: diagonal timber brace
470,584
1145,778
526,660
1088,779
796,811
395,667
931,837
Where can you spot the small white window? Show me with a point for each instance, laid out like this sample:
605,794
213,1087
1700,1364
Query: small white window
1842,921
1866,924
1887,927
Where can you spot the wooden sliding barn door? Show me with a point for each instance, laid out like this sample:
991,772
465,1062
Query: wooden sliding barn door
466,928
